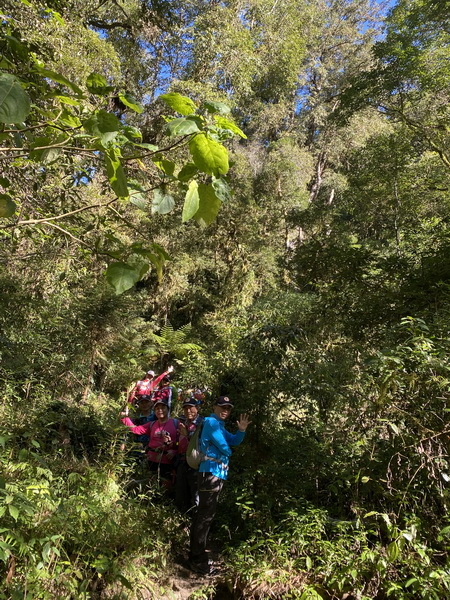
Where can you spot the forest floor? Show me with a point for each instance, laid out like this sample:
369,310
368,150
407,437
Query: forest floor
182,584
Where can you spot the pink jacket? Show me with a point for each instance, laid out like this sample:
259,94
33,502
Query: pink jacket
157,450
145,387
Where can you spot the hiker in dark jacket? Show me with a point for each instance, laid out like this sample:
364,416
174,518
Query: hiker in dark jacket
215,444
146,414
186,492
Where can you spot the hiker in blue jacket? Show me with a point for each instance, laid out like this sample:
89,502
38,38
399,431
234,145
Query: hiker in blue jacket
215,444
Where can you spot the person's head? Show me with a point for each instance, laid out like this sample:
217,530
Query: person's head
190,409
144,403
199,395
149,375
222,407
165,381
161,410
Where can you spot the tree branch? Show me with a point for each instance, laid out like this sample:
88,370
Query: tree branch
94,251
166,149
48,219
68,233
108,26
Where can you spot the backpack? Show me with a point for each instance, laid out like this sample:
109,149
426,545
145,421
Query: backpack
193,454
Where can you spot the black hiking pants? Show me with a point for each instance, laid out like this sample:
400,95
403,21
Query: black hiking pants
186,489
209,488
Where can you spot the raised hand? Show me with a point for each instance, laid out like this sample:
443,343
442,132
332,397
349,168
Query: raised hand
243,422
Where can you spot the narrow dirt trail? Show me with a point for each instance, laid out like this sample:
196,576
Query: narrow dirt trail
183,584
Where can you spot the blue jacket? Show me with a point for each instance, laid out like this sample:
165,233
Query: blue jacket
215,443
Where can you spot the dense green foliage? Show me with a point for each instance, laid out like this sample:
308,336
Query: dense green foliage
258,193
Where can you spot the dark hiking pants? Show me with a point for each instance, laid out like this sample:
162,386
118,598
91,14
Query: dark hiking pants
186,489
209,488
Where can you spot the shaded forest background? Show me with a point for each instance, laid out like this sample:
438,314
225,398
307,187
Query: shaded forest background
312,286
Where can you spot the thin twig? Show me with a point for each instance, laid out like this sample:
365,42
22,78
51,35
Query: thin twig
117,213
47,219
166,149
68,233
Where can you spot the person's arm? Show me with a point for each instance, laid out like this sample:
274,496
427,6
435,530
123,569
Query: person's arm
156,381
138,429
183,438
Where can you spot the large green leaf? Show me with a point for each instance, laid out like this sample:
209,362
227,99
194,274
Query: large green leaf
103,125
48,74
131,102
7,206
16,46
158,262
216,107
122,276
179,103
224,123
163,203
138,195
222,189
162,252
208,155
182,126
45,150
393,551
187,172
98,85
157,256
116,174
14,102
68,100
132,133
69,119
191,202
209,205
47,156
165,165
13,511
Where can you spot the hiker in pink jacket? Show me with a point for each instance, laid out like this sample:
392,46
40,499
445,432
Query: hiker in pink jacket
163,439
147,385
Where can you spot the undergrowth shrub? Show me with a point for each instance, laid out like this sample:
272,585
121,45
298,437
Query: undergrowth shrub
308,555
69,528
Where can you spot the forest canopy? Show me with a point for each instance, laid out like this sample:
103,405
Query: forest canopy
257,193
